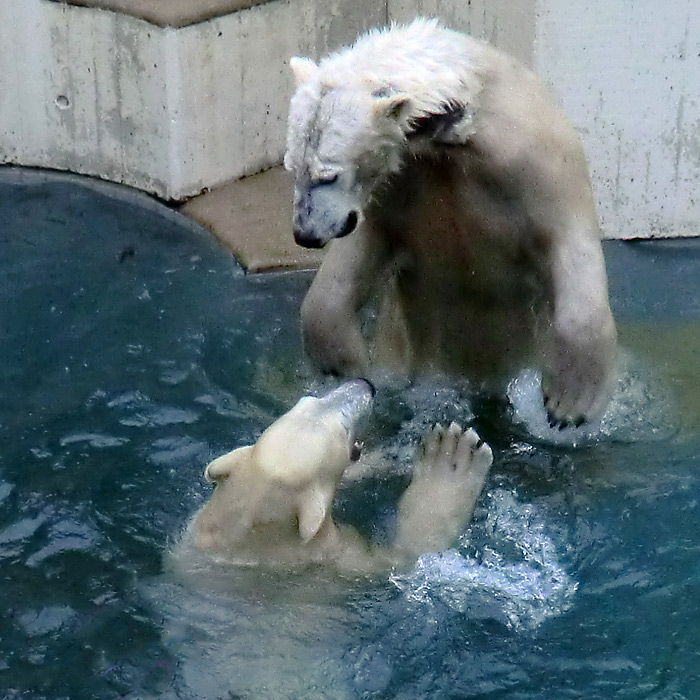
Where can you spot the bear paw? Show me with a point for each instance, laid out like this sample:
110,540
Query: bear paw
579,368
576,387
453,454
448,476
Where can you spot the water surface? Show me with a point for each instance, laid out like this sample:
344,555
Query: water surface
134,350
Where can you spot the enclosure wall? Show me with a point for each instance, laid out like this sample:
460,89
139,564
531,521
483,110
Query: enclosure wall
181,106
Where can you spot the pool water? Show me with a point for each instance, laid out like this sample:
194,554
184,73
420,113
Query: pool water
134,350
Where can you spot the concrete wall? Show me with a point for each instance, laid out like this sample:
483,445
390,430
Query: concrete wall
84,91
171,111
177,110
628,74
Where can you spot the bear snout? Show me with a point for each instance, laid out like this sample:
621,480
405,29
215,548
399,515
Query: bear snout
308,239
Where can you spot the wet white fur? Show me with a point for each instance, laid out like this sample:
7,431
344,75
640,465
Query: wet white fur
272,502
481,238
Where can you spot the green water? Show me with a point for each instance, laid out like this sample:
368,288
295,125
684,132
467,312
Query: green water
134,351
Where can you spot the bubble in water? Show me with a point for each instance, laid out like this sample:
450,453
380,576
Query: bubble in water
403,412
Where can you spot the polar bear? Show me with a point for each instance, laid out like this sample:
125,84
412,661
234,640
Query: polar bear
454,189
272,501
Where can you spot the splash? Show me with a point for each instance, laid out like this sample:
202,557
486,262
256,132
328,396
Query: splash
514,577
639,410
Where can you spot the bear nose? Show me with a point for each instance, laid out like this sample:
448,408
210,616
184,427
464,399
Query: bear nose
307,239
349,225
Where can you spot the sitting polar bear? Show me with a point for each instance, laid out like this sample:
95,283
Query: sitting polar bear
457,192
272,501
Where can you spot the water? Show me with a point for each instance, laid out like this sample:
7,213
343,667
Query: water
134,351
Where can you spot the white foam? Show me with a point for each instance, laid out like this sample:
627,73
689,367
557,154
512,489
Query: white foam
515,578
638,410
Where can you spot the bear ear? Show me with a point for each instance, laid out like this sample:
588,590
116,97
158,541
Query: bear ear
303,69
222,467
314,505
394,107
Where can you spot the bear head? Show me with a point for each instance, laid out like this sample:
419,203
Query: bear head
342,141
283,486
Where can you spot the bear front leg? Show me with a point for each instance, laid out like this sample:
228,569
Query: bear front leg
448,476
580,348
332,337
330,323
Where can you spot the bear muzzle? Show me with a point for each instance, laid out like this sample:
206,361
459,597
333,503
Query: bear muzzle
309,237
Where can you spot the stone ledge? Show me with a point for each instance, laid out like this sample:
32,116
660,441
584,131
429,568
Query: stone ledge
171,13
252,217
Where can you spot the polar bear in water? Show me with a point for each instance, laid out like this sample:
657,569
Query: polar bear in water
453,189
272,501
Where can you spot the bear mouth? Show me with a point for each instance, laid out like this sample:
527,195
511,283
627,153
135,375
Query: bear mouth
356,450
349,225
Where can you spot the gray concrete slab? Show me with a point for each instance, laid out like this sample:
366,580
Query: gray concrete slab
253,218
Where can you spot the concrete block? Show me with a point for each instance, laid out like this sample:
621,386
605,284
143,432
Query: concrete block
252,217
171,111
172,13
88,93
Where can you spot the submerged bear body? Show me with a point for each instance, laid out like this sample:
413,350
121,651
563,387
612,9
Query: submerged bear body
272,505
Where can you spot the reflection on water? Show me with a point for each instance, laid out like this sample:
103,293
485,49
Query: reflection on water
124,375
